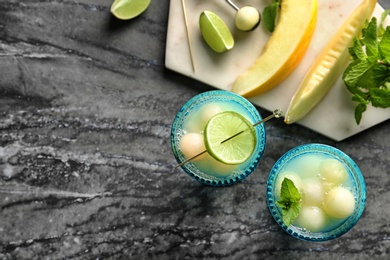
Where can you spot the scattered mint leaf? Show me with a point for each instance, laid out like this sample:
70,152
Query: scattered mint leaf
361,98
370,38
359,110
367,76
381,28
373,76
290,201
356,71
380,97
357,51
269,15
384,45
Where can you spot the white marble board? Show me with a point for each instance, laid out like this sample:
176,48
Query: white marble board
333,117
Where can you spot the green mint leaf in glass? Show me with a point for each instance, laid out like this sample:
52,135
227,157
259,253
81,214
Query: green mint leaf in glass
269,15
291,214
290,201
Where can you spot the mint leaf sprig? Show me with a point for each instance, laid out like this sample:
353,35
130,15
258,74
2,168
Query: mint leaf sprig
270,13
290,201
367,77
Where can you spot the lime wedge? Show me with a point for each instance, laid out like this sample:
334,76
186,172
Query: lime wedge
221,127
128,9
215,32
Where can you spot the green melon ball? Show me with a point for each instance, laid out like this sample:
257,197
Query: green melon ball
313,193
333,171
339,203
310,218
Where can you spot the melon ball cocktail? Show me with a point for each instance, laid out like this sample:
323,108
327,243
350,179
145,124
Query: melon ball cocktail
316,192
204,124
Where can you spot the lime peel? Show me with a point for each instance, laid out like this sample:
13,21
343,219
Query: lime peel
128,9
215,32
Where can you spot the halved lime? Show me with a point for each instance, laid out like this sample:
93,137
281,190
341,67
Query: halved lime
128,9
215,32
223,126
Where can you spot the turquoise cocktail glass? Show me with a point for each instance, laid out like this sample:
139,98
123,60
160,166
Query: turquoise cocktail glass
205,172
357,186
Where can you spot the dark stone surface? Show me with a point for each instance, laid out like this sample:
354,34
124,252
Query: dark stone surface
85,162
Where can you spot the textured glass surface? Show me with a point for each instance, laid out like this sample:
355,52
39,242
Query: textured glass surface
359,191
193,105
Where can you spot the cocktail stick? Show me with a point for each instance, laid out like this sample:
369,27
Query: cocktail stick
276,114
188,35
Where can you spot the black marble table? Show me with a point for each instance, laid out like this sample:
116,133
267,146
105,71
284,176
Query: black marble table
85,162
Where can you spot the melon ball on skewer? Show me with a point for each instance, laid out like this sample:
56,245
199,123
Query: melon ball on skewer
192,144
339,203
247,18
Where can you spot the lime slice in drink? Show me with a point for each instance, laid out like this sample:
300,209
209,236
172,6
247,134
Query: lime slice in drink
215,32
223,126
128,9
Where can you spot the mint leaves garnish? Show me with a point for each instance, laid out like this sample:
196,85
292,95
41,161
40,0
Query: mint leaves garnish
367,77
269,15
289,201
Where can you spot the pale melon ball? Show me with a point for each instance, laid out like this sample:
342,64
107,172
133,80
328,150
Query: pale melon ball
247,18
208,111
312,219
192,144
333,171
290,175
313,193
339,203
